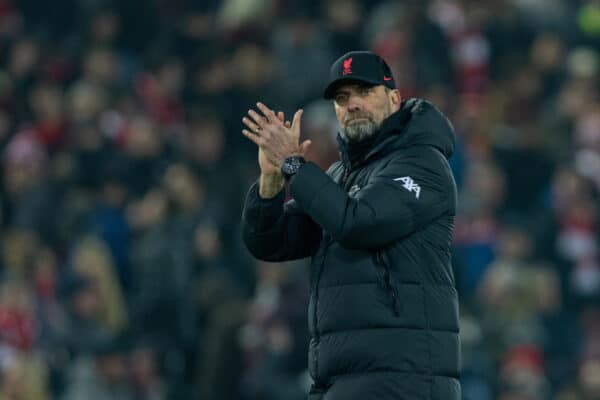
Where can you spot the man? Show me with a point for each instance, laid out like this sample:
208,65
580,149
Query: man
383,311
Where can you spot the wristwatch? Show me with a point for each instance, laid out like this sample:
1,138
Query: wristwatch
291,165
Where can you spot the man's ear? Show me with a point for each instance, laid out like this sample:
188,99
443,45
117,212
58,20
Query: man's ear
395,98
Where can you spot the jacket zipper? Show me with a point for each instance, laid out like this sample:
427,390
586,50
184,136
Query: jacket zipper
380,261
345,176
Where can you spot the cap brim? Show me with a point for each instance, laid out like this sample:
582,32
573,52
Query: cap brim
333,86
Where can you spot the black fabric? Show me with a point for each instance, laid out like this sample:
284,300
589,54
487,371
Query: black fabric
383,311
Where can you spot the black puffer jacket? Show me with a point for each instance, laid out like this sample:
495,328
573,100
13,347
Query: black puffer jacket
383,313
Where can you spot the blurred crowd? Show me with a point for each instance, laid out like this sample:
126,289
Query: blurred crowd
123,170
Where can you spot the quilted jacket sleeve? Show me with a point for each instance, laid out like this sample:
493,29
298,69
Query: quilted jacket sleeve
402,197
277,231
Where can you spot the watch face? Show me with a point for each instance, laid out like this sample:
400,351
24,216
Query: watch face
291,165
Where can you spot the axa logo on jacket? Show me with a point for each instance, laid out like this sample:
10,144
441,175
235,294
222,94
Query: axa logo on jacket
410,185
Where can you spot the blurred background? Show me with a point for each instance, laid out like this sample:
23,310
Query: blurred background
123,171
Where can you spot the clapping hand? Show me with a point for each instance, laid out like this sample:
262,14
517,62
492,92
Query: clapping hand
276,138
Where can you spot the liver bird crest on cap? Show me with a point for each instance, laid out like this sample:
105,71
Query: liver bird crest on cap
347,66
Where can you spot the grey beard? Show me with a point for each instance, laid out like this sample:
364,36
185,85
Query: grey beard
359,131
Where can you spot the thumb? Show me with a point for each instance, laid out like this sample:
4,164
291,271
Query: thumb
297,121
304,146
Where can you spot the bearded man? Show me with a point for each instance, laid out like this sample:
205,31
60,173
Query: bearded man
383,311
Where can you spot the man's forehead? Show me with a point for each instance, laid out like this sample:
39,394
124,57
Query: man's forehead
354,86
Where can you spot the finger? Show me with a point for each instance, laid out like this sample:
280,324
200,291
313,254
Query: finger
258,119
304,146
288,124
255,138
280,116
296,121
251,125
269,114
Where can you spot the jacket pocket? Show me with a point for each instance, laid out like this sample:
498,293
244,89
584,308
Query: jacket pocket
382,269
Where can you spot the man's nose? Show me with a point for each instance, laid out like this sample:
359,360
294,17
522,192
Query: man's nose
354,104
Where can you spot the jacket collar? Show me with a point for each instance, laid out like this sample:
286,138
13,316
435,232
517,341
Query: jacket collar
416,123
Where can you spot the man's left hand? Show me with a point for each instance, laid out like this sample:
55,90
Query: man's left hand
276,138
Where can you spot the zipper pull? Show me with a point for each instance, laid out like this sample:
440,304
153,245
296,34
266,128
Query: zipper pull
345,175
